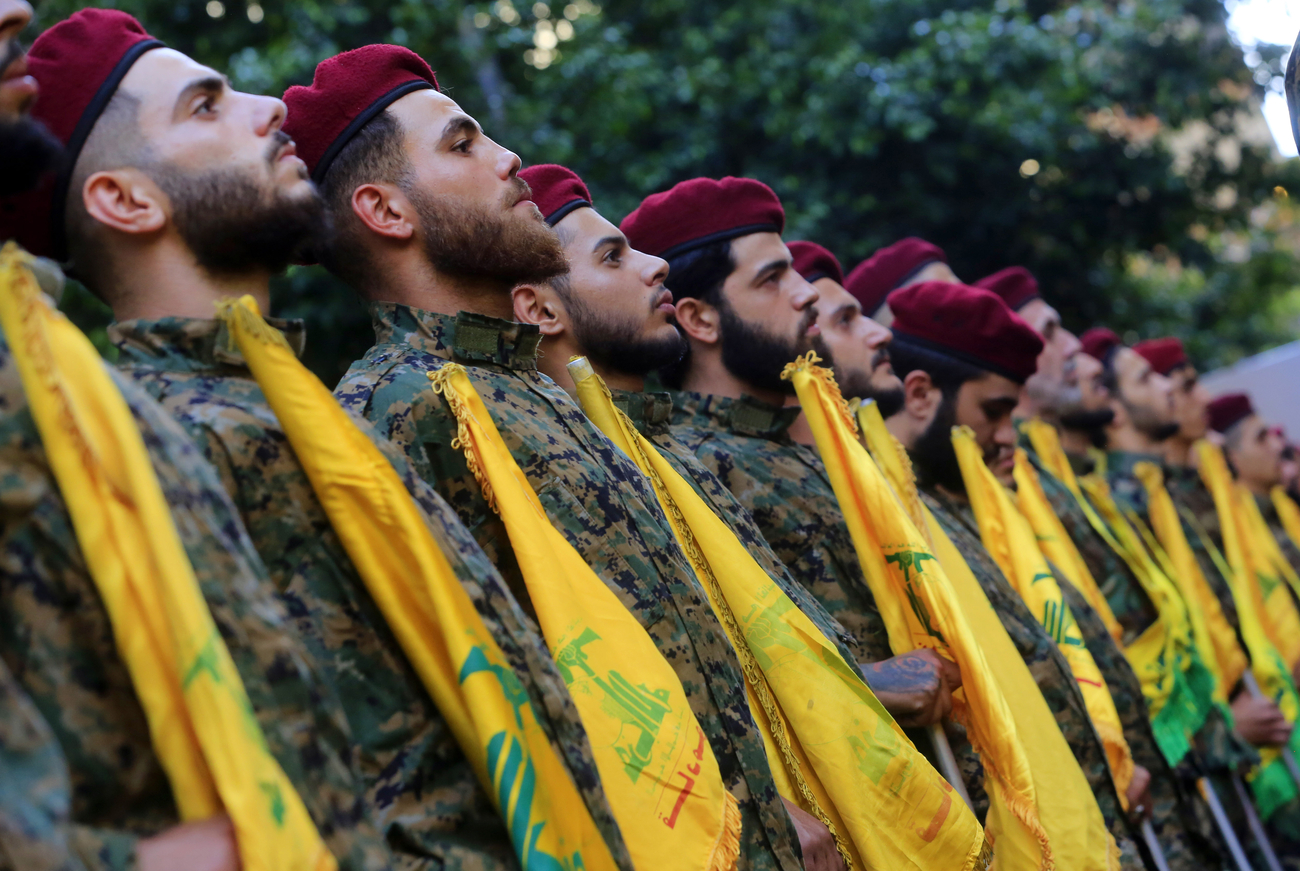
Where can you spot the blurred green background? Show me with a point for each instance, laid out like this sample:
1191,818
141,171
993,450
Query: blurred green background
1114,148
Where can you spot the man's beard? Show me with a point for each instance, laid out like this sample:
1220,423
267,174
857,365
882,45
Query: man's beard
620,345
757,357
858,384
472,242
233,225
27,151
933,455
1146,421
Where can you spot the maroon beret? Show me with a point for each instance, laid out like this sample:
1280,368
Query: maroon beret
1229,410
78,64
1015,284
698,212
346,93
1099,341
967,323
872,279
1164,355
814,262
557,190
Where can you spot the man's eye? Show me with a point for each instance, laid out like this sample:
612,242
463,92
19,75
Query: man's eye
462,146
613,257
208,106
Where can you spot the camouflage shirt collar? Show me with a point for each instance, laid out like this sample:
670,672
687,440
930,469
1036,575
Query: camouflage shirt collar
464,336
191,343
1121,463
744,416
650,412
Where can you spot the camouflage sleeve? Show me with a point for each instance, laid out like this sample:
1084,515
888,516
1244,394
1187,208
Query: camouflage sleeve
400,402
35,793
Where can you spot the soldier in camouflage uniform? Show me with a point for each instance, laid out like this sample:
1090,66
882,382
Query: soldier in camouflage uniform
422,790
593,494
82,787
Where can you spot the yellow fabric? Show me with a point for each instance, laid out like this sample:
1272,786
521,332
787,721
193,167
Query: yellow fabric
1213,634
1009,538
1266,663
200,720
1271,568
656,765
1064,800
1288,512
467,675
861,771
1056,544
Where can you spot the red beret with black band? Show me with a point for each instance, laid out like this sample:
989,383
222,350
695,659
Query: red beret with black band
79,64
1229,410
871,280
557,191
346,93
1098,342
814,262
968,324
1164,355
1015,284
701,211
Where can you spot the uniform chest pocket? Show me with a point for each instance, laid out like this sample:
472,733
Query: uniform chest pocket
599,545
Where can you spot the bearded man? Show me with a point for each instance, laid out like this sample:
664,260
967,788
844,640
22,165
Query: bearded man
434,228
966,357
181,193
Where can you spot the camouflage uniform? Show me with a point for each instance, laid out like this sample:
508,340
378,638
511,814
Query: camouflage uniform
57,643
1182,824
1050,670
594,495
35,794
651,413
426,797
745,444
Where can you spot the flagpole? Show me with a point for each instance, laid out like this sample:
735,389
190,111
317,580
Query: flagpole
1225,827
948,762
1256,825
1153,845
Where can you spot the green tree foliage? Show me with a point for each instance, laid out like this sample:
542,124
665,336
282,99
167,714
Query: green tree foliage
1076,138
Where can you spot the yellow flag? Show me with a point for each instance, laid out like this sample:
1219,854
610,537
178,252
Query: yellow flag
433,618
891,807
1056,543
1271,783
1066,806
655,762
1042,813
200,720
1010,540
1288,512
1272,564
1215,637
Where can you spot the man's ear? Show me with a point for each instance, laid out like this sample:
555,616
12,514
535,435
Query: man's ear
921,399
126,200
384,209
539,304
1121,414
699,321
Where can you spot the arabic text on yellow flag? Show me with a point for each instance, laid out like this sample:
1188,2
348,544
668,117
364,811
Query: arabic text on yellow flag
892,809
1215,637
1066,806
1056,543
655,762
200,720
1271,782
1010,540
389,541
1042,813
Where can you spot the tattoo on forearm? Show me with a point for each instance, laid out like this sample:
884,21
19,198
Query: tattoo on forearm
902,674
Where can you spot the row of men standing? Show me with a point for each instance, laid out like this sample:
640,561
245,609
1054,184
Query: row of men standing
1125,689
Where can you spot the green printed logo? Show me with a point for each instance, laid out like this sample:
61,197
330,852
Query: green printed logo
511,687
1058,620
207,660
874,753
907,560
636,706
764,629
276,800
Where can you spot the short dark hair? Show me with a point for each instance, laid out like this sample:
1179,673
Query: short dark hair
375,154
115,141
697,274
946,373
